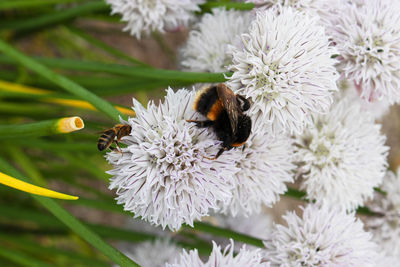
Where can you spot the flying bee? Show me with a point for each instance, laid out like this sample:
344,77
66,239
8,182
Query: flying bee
109,135
224,111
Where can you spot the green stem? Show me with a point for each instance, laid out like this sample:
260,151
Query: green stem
60,80
21,258
292,192
139,72
57,145
48,252
297,194
54,18
227,233
42,128
228,5
74,224
31,110
18,4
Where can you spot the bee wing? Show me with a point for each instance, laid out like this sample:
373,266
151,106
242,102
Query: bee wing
230,104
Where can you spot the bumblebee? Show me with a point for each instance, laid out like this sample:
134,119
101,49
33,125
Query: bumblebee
109,135
224,111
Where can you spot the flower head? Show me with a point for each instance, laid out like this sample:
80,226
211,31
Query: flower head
206,48
342,157
301,5
386,227
367,37
145,16
153,253
163,174
245,257
285,67
321,237
266,164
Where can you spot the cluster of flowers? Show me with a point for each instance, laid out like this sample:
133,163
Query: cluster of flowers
318,74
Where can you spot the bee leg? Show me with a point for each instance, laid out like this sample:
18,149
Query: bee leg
243,147
218,154
119,148
202,124
246,103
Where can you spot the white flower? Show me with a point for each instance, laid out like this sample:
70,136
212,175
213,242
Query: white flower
153,253
301,5
343,157
266,164
285,68
322,237
145,16
248,258
367,37
163,174
206,47
386,226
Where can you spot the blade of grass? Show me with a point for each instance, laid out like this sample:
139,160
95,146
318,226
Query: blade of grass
301,195
24,109
14,89
17,214
18,4
57,145
42,128
292,192
54,18
74,224
140,72
26,244
60,80
21,258
227,233
206,7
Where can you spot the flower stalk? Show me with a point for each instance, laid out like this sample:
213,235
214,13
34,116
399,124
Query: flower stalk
42,128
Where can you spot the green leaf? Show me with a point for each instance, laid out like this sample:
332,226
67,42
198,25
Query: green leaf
50,252
74,224
291,192
206,7
139,72
227,233
57,145
21,258
60,80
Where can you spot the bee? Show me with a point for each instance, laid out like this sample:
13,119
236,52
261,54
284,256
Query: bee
224,111
109,135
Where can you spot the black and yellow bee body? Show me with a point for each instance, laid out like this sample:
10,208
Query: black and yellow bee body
112,135
224,111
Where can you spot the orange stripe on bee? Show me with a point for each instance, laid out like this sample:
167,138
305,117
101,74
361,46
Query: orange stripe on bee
215,110
238,144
